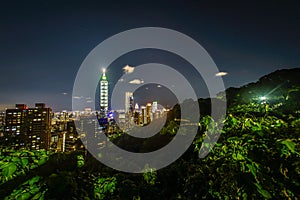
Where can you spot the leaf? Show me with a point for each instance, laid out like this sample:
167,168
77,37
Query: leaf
24,162
234,121
30,153
34,190
240,156
3,164
24,196
16,160
42,160
33,166
37,196
263,192
34,180
252,169
289,144
256,127
9,170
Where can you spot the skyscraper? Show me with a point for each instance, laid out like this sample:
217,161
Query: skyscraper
154,106
144,115
149,112
103,92
28,127
129,107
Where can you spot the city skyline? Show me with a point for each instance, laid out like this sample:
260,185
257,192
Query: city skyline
44,43
149,99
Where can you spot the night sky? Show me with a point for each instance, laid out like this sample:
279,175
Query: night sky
42,44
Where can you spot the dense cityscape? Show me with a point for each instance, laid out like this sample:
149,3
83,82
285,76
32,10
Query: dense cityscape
41,128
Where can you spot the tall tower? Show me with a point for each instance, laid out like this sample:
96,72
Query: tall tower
103,92
129,102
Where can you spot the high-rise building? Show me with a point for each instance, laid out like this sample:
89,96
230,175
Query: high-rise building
129,106
2,122
3,108
143,115
104,92
154,106
28,128
136,107
149,112
64,136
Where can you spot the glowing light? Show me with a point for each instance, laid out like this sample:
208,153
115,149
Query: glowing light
263,98
103,70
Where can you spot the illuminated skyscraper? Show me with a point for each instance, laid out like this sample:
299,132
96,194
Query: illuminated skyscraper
136,107
144,115
28,127
103,92
154,106
149,112
129,107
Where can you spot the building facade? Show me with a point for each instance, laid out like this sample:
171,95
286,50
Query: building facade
28,128
104,92
64,136
129,104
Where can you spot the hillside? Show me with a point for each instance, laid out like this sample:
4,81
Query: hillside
279,89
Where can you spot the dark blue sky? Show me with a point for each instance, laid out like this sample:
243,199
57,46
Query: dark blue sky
42,44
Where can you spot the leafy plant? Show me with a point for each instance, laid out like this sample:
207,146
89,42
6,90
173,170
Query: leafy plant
104,187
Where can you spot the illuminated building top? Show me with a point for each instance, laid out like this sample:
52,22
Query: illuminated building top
103,91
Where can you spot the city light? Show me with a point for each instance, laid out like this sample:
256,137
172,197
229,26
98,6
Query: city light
263,98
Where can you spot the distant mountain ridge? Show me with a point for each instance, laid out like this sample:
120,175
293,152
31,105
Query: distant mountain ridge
273,84
279,87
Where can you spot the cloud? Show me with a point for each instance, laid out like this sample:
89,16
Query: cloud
136,81
221,74
128,69
77,97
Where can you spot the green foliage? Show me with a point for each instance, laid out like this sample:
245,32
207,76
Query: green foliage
14,163
150,176
31,189
256,157
290,146
80,161
104,187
